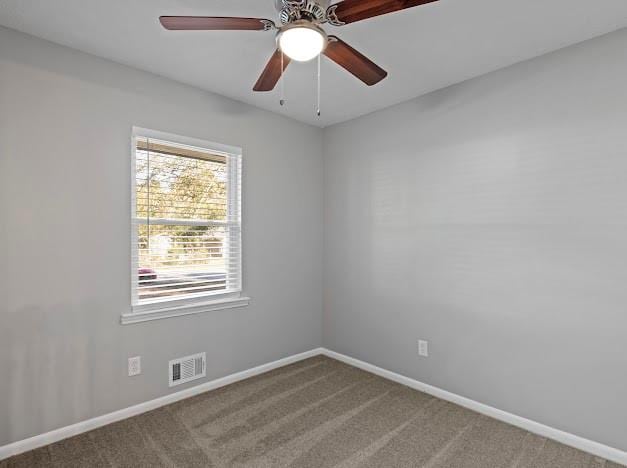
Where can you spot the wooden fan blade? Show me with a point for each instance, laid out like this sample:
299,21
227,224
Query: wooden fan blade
271,74
215,23
350,11
354,62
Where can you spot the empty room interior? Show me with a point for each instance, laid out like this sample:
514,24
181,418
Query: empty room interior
313,233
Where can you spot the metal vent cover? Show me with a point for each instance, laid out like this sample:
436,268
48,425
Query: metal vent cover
187,368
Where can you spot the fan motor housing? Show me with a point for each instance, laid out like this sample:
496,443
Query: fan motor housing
293,10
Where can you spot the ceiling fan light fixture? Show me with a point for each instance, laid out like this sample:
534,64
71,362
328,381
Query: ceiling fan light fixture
302,41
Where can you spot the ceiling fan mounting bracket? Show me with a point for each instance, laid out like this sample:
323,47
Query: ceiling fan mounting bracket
332,16
294,10
268,25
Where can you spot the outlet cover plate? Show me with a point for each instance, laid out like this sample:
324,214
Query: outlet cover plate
134,366
423,348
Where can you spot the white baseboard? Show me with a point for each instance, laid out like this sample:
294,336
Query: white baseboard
595,448
56,435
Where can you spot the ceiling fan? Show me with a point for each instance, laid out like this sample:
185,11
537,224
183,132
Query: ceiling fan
301,37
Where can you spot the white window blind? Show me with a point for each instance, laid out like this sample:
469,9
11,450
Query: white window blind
186,226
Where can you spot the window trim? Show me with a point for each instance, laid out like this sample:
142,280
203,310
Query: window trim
185,305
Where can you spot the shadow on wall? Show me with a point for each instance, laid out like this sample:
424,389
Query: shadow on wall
48,375
108,74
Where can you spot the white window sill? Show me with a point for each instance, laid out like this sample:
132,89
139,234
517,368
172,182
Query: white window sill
159,311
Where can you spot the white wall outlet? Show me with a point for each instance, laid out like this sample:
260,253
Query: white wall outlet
423,348
134,366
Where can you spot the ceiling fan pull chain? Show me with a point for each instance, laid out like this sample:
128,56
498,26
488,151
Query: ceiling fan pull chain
318,102
282,97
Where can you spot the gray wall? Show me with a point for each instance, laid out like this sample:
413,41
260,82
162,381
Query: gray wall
490,218
65,129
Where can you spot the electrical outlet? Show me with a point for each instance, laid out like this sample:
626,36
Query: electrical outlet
423,348
134,366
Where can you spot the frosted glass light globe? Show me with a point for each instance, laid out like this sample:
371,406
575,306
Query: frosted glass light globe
302,43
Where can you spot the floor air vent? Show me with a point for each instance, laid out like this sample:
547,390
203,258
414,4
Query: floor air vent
188,368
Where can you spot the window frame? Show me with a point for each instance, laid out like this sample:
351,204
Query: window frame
140,312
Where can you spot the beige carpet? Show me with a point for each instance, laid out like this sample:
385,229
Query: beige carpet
315,413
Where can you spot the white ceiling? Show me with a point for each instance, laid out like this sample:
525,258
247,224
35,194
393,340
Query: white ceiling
423,49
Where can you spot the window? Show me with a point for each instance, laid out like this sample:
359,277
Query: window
186,226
